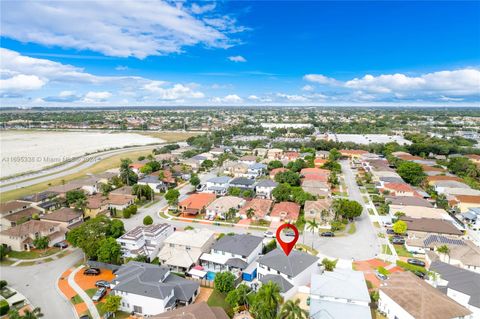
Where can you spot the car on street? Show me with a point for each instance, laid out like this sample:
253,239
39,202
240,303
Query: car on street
290,233
416,262
380,276
390,231
99,294
268,234
328,234
102,284
398,241
84,317
61,245
92,272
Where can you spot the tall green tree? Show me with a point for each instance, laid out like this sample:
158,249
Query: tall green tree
312,225
400,227
224,282
411,172
41,242
172,196
291,310
267,301
112,303
33,314
109,251
127,175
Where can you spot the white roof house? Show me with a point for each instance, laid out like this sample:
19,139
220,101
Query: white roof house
144,240
220,206
182,249
342,293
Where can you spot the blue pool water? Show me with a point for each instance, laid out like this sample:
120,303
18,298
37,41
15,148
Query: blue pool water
210,275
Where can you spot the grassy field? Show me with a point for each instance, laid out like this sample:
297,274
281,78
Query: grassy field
401,251
217,299
100,167
33,254
171,136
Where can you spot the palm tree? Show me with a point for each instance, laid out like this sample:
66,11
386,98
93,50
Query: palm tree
13,314
80,204
250,212
267,301
312,225
444,249
34,314
291,310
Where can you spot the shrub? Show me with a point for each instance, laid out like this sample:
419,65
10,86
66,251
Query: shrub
147,220
383,271
4,307
3,284
407,266
127,213
224,282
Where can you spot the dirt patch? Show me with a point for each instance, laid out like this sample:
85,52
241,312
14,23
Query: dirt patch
204,294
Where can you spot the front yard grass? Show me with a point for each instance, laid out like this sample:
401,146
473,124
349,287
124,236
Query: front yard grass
90,292
386,249
376,224
33,254
76,300
307,248
352,229
401,251
217,299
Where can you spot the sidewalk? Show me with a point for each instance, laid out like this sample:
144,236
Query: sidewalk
90,305
67,250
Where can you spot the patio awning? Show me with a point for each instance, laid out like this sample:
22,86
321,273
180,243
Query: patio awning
217,259
197,273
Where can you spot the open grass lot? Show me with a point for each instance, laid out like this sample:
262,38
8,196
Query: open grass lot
33,254
172,136
218,300
401,251
100,167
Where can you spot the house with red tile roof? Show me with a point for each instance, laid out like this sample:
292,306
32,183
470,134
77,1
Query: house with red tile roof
314,177
465,202
432,179
275,171
409,158
196,203
319,162
261,208
291,156
285,211
400,189
314,171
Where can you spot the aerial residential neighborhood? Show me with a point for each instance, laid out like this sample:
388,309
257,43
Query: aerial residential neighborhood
239,159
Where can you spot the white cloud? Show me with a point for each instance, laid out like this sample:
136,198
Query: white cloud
121,67
292,97
321,79
175,92
197,9
253,98
231,98
94,97
454,83
308,88
21,82
115,28
237,58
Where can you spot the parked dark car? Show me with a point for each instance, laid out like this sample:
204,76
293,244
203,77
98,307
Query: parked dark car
99,294
92,272
290,233
398,241
84,317
419,274
390,231
61,245
102,284
328,234
416,262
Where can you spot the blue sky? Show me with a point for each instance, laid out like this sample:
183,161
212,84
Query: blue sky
130,53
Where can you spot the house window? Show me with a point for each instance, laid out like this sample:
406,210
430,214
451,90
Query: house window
137,309
188,248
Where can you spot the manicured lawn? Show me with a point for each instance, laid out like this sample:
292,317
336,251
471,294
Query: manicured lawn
76,299
90,292
307,248
352,229
33,254
217,299
386,249
376,224
370,211
401,251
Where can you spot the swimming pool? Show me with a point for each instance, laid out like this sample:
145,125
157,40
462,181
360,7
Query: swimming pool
210,275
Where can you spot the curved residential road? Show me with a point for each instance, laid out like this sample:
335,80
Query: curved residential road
361,245
39,284
88,301
72,167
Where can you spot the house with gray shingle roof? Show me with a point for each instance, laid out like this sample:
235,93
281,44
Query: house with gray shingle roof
234,253
149,289
264,188
296,268
461,285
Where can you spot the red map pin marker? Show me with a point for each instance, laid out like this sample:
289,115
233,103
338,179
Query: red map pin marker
287,247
